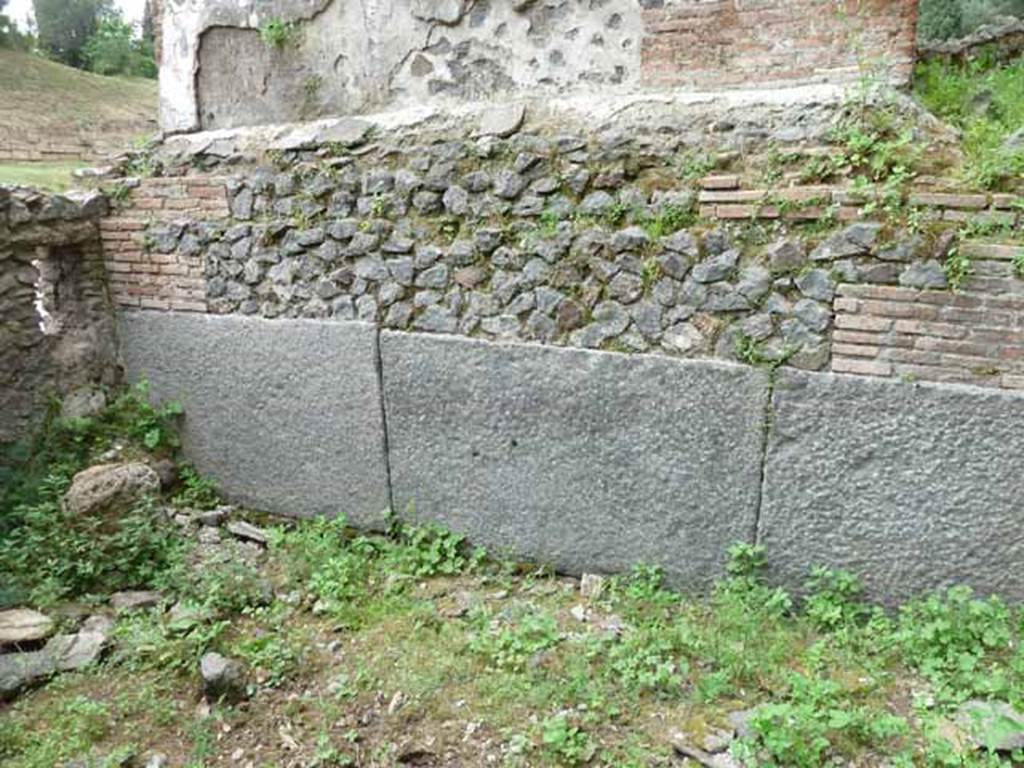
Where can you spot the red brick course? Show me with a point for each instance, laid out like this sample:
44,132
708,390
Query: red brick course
974,337
714,43
140,278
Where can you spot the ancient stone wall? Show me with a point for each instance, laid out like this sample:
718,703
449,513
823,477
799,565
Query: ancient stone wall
579,241
228,64
595,461
57,330
728,43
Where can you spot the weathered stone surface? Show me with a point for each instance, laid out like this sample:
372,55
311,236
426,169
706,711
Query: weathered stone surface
224,679
992,725
110,489
929,274
62,653
23,625
77,651
911,487
247,532
21,670
583,460
502,120
122,602
284,415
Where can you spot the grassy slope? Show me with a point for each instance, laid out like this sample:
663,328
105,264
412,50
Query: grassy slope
40,96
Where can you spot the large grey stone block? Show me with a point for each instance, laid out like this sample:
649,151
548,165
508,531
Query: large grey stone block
912,487
285,415
583,460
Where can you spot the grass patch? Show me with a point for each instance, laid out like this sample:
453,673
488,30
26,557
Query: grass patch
42,97
409,647
55,177
985,100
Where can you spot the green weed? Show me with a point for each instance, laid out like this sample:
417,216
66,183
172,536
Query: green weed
985,100
197,492
278,34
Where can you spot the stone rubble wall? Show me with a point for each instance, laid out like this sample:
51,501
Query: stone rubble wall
594,461
50,252
568,241
219,71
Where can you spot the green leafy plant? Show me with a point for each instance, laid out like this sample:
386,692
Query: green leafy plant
958,267
270,654
984,98
1018,264
51,554
432,550
815,719
565,742
277,33
197,492
511,644
833,599
693,164
947,637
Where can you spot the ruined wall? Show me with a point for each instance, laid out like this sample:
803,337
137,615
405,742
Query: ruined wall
728,43
228,64
574,240
594,461
57,330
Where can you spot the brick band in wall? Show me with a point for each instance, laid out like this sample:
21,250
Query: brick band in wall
168,274
972,337
734,42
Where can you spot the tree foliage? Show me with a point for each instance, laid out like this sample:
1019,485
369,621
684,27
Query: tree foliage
65,27
10,37
947,19
114,50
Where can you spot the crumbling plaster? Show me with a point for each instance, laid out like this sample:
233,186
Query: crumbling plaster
355,56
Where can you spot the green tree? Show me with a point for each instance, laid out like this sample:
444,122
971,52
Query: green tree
114,50
7,29
65,26
940,19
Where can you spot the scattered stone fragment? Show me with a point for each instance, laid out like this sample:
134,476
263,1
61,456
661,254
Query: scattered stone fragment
24,625
83,403
73,652
740,721
992,725
214,518
717,268
62,653
247,531
855,240
19,671
683,337
591,585
122,602
681,744
167,471
110,489
224,679
812,314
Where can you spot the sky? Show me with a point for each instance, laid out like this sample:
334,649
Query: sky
21,10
